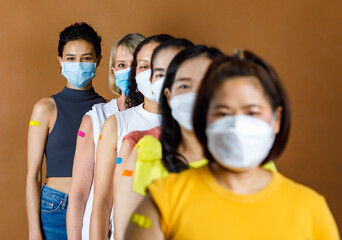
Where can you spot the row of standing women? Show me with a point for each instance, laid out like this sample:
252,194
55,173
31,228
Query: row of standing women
184,151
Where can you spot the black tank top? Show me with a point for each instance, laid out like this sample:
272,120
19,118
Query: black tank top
60,146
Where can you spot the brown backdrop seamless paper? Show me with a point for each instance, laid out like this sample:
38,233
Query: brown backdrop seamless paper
302,39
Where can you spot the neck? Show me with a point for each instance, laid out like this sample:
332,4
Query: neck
246,182
189,146
151,106
89,86
121,102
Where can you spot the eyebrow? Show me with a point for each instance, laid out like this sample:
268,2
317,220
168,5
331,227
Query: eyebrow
245,107
252,105
159,69
221,106
120,61
143,60
183,79
70,54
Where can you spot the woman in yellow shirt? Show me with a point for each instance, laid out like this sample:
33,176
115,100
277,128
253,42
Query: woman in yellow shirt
188,65
242,120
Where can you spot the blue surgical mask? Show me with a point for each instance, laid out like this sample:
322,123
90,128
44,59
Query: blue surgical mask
79,74
121,80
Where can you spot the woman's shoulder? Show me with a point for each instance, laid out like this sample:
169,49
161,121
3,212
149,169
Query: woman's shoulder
298,190
111,106
44,106
178,182
146,137
149,147
110,124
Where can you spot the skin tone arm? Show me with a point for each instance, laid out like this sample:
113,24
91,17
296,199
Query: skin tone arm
125,200
82,177
147,209
44,113
125,151
103,183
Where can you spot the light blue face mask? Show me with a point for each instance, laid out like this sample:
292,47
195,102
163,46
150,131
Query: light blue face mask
78,74
121,80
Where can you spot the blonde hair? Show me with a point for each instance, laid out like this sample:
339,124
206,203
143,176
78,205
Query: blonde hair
130,42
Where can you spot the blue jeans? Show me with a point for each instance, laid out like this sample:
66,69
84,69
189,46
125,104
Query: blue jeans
53,208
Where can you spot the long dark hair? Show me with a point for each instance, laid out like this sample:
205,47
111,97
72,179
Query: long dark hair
134,97
170,129
244,64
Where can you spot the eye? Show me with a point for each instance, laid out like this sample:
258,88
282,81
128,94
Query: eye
184,86
220,114
121,65
70,59
87,59
159,75
253,112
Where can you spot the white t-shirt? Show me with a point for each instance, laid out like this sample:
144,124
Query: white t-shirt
98,114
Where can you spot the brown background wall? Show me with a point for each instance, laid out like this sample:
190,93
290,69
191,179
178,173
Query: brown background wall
302,39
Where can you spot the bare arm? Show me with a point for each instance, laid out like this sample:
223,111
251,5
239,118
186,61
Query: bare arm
125,199
147,210
82,177
124,153
103,182
43,116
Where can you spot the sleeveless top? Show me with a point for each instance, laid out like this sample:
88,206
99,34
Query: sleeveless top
135,119
98,114
149,165
60,146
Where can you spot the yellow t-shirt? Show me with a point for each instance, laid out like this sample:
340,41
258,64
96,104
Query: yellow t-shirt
149,165
193,205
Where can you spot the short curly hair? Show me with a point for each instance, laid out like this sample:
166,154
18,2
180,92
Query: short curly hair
79,31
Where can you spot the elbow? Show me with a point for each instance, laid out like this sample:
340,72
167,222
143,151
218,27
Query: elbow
33,179
77,198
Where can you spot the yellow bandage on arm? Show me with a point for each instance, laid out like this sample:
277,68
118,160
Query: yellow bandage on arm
34,123
149,165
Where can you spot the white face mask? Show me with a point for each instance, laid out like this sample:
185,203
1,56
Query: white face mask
144,84
182,107
240,142
156,89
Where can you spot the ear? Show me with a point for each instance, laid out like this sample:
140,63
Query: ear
167,94
278,116
98,61
59,60
113,71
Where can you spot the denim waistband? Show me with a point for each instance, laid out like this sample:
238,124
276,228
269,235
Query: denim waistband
53,193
